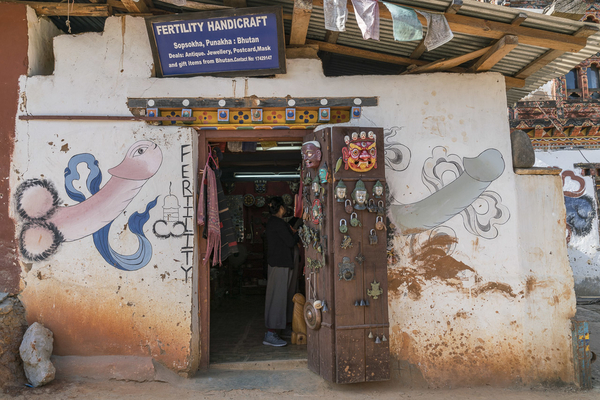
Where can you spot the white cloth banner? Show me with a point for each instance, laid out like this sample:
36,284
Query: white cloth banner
336,15
438,30
367,17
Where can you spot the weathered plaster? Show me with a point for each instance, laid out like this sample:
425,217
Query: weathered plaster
458,304
39,51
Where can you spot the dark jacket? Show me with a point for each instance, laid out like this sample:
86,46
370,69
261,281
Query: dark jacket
280,243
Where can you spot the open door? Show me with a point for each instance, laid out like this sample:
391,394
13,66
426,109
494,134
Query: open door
346,259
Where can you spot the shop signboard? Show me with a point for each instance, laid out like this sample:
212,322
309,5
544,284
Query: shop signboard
232,42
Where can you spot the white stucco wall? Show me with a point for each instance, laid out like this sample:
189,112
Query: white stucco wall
583,246
39,53
460,317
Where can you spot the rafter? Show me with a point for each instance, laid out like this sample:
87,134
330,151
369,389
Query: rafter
331,36
496,30
300,21
64,9
445,65
498,51
139,6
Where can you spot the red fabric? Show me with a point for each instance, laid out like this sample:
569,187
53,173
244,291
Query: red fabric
209,215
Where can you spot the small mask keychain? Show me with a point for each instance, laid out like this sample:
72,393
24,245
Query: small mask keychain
306,215
348,206
380,208
316,186
373,237
379,225
372,207
378,190
340,192
343,226
354,221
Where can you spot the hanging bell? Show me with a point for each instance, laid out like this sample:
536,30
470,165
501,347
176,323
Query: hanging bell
370,335
367,303
362,303
325,308
377,340
356,303
383,338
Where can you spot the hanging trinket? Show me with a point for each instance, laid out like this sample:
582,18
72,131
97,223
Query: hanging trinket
373,237
372,207
346,269
377,340
294,186
383,338
360,196
317,211
343,226
360,259
260,186
360,152
326,309
307,179
379,225
318,304
367,303
378,190
370,335
346,242
340,192
375,290
362,303
324,174
354,221
356,303
304,235
316,186
348,206
380,208
306,214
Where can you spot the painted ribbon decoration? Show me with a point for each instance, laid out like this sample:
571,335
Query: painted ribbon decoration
47,225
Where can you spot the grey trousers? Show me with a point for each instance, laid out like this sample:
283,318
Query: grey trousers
279,281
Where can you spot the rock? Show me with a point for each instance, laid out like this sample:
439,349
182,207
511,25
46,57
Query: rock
3,296
522,150
12,328
36,350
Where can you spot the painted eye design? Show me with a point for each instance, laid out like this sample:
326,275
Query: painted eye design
139,151
354,153
373,152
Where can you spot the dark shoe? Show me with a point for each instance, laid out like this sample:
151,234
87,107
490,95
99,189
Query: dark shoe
271,339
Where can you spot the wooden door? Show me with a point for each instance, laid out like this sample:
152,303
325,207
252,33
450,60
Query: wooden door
352,343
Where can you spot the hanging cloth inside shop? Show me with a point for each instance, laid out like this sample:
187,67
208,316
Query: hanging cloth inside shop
235,147
438,30
229,244
208,212
336,15
249,147
406,23
367,17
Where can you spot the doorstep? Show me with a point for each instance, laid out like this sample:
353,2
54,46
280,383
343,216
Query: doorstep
268,365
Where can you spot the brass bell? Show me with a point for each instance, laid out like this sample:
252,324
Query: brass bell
383,338
377,340
362,303
370,335
325,308
367,303
356,303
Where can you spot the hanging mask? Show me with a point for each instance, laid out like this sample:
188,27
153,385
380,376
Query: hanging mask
294,186
360,196
316,187
343,226
260,186
348,206
372,207
311,154
379,225
378,190
317,211
306,214
380,208
373,237
324,174
360,153
340,192
354,221
307,179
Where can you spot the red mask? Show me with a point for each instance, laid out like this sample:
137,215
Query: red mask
360,155
311,155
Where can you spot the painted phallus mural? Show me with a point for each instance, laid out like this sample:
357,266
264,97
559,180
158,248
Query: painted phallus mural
580,208
458,186
46,225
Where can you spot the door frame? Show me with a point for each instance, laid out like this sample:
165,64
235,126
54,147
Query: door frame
205,136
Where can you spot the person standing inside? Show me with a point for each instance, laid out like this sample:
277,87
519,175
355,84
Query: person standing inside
281,240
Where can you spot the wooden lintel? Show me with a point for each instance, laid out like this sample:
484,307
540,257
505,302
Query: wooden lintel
419,50
139,6
354,52
495,30
331,36
300,21
64,9
495,54
512,82
452,63
454,7
519,19
248,102
551,55
235,3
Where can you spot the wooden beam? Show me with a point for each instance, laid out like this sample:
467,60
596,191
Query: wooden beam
454,7
193,5
419,50
300,21
354,52
139,6
551,55
331,36
235,3
496,30
444,65
519,19
512,82
74,9
495,54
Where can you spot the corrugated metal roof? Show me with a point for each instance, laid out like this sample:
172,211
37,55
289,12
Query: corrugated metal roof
461,44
